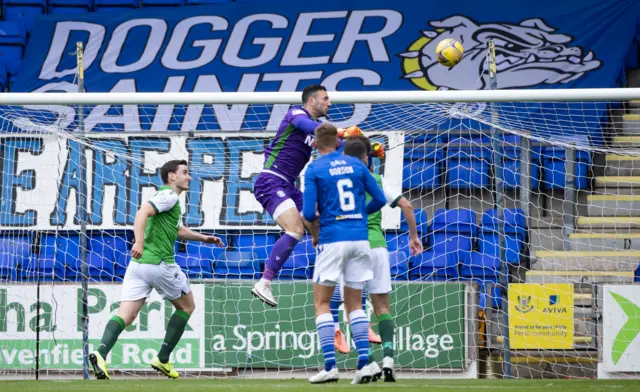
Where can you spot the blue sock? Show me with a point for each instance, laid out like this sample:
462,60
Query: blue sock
334,305
364,300
324,324
360,336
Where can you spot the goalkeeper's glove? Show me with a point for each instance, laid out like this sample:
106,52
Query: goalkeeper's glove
353,130
377,150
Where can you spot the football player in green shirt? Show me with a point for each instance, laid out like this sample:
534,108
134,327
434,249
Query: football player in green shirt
156,227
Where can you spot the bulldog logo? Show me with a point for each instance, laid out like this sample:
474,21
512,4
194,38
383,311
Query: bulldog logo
527,54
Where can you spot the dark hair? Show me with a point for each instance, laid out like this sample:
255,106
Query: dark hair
355,147
309,91
365,140
171,167
326,136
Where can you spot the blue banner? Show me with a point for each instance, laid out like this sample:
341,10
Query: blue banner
346,45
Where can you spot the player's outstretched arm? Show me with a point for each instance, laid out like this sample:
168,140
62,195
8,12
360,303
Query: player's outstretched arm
415,245
378,200
305,124
185,234
139,225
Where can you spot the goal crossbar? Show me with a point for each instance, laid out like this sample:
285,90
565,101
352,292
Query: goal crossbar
338,97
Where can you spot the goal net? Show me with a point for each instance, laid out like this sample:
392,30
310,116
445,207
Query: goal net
526,203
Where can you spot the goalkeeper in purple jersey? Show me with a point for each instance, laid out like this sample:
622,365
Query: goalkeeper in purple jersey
275,188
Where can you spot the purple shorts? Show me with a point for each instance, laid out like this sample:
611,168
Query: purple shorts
271,191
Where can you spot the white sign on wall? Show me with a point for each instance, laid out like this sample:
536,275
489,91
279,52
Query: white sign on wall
620,329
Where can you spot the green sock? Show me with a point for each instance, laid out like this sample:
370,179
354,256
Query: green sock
111,332
372,358
175,328
386,329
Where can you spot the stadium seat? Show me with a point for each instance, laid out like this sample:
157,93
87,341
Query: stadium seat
162,3
304,248
100,260
422,222
449,241
553,162
297,267
468,167
300,264
479,265
432,266
452,231
57,252
196,259
421,168
115,5
258,243
237,265
13,39
397,241
123,243
103,251
23,12
121,268
399,263
511,168
515,229
70,6
194,267
15,256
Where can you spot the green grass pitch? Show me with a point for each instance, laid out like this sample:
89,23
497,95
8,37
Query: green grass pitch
241,385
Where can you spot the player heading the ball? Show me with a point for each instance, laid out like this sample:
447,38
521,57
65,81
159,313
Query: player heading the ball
153,266
337,184
275,189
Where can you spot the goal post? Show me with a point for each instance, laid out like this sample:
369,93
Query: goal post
573,230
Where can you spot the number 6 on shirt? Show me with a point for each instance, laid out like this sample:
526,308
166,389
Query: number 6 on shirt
347,200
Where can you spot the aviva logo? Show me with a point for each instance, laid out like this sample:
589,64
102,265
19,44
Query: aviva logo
629,331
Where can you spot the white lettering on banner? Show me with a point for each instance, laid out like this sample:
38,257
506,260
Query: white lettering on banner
58,44
269,45
165,112
40,174
361,110
209,47
301,36
229,117
128,117
114,49
352,34
159,48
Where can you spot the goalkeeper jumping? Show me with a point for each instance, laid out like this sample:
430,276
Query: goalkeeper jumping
275,188
153,266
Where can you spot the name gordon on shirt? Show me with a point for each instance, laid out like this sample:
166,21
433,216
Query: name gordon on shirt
337,171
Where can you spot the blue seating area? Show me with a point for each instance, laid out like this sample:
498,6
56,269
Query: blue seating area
456,247
464,161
